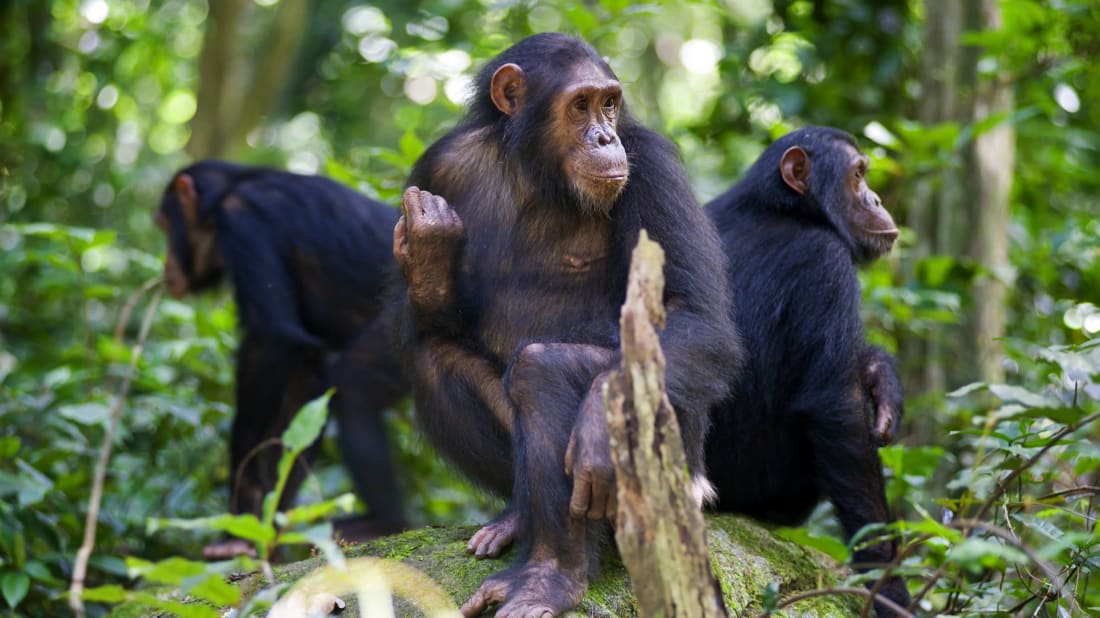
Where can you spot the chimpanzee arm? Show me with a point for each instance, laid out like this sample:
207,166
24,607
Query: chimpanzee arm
700,342
881,383
263,285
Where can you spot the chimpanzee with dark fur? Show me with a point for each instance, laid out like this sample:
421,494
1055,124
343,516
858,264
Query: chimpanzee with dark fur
795,429
515,244
308,260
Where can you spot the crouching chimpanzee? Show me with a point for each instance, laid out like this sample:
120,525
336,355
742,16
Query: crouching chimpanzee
308,260
515,243
795,429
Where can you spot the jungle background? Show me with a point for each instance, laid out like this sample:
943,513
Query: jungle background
978,116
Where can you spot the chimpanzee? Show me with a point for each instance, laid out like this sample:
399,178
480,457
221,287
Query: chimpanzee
309,260
515,244
795,428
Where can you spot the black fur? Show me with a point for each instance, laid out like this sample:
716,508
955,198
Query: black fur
309,261
503,176
795,430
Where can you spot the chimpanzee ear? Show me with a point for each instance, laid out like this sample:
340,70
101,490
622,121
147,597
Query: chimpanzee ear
507,88
794,166
188,197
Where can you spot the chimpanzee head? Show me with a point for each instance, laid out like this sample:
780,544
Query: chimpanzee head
193,262
558,106
820,173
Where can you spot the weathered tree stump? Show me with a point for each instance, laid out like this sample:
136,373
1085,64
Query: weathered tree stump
659,528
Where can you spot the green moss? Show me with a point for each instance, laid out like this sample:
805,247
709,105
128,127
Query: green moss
745,558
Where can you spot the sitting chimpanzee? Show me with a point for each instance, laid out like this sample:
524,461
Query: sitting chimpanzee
308,260
514,286
795,429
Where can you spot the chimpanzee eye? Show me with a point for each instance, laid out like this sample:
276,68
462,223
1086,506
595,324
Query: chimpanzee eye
580,104
609,104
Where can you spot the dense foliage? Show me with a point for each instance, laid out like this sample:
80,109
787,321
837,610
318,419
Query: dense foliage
995,483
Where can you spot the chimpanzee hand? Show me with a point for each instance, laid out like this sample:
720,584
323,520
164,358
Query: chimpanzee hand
882,385
427,244
588,460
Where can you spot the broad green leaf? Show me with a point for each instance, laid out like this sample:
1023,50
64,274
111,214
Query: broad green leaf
168,571
831,546
976,555
321,537
307,424
183,611
215,589
319,510
106,594
1023,396
15,585
9,446
246,526
86,413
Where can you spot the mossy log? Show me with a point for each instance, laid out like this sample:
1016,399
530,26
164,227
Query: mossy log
744,556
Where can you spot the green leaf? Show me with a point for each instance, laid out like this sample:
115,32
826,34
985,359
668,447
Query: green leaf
307,424
106,594
39,571
168,571
976,555
1023,396
321,537
826,544
177,608
9,447
86,413
15,586
246,526
319,510
215,589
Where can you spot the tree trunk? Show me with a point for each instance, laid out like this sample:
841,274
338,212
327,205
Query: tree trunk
659,528
934,214
234,94
994,157
961,210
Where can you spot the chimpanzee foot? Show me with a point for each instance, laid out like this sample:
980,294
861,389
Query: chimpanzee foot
536,590
494,537
227,549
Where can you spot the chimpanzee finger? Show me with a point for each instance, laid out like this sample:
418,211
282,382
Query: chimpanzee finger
400,239
613,504
597,507
578,503
410,202
569,457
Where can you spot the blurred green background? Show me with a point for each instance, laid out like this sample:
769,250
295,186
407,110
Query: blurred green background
978,116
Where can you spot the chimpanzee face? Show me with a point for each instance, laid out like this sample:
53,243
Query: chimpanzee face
581,129
871,227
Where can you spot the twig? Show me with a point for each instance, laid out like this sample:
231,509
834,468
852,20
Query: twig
80,566
1000,489
128,308
1003,485
863,592
1008,537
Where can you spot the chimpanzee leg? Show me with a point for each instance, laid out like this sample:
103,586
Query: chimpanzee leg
368,379
547,385
273,380
264,369
851,471
461,405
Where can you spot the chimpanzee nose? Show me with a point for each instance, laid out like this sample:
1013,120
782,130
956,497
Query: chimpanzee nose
605,137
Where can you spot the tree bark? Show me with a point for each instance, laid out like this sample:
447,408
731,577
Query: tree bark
994,157
235,94
659,528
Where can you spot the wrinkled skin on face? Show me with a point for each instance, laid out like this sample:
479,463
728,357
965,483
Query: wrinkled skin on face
584,117
869,224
